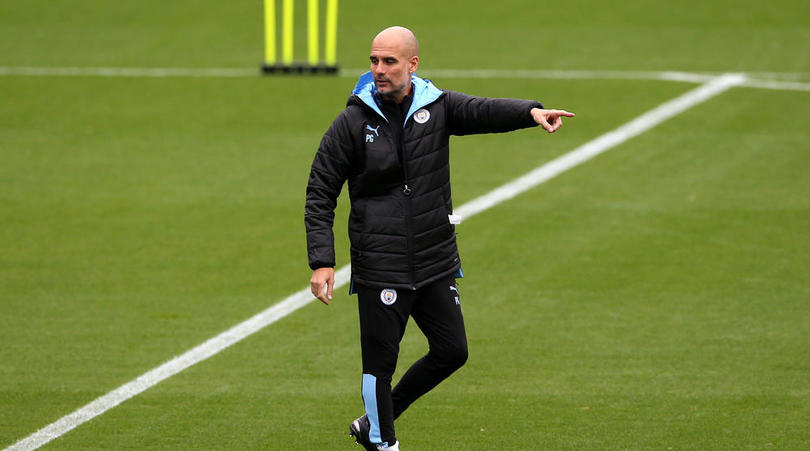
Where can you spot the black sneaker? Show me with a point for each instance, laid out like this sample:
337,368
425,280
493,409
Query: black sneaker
359,430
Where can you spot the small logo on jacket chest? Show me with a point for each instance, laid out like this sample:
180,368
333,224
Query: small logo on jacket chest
421,116
369,136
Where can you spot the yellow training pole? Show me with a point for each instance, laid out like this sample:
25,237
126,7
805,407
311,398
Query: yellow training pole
331,32
270,32
312,26
287,29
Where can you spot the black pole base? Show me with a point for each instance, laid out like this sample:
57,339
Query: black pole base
299,69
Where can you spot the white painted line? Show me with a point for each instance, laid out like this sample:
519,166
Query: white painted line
301,298
775,84
128,72
601,144
785,76
570,74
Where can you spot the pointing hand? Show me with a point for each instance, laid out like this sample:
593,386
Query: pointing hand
551,120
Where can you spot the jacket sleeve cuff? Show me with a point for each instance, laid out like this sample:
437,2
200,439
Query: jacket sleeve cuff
317,265
533,104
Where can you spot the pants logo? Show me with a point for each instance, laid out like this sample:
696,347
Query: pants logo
388,296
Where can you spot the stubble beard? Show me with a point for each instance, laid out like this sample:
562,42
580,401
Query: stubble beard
393,90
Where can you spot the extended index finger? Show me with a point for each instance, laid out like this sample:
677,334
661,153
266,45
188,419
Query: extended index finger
563,113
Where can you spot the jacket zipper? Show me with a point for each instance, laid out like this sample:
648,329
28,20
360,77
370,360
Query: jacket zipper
407,190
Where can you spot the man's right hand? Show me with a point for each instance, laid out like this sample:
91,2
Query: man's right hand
321,277
551,120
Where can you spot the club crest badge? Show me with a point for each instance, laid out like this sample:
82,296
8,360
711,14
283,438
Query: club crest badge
388,296
421,116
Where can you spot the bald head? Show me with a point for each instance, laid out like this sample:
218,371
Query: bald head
394,58
400,37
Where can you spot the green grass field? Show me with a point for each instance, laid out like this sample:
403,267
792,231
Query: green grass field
656,297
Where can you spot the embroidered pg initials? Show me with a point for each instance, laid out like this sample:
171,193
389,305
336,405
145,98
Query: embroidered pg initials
369,136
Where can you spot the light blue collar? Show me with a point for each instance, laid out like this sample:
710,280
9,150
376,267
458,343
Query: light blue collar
424,93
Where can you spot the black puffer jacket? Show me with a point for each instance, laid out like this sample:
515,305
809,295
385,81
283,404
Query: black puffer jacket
398,226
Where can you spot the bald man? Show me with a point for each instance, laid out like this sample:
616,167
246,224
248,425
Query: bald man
391,144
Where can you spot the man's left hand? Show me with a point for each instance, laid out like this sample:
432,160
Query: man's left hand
551,120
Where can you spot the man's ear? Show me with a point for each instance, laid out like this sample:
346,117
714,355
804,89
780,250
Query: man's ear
413,64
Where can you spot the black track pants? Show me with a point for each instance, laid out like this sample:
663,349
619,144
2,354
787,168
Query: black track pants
383,316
